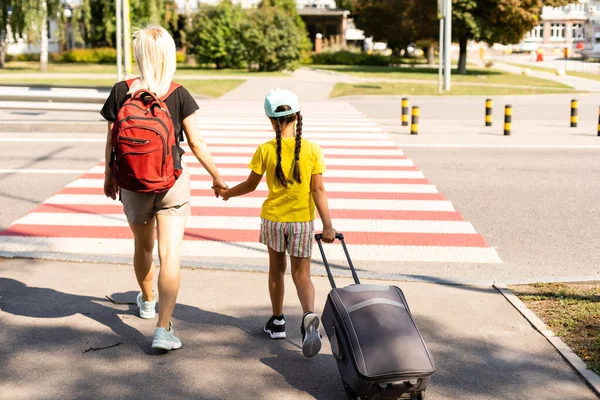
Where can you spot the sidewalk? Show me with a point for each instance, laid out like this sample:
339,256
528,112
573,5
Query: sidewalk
51,313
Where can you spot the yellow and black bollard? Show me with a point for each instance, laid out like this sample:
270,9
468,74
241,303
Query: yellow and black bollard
508,112
404,111
574,116
489,104
414,128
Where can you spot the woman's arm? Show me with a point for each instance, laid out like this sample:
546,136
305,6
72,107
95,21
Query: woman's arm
320,197
248,186
110,186
200,150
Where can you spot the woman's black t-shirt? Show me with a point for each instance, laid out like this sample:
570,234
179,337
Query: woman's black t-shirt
181,104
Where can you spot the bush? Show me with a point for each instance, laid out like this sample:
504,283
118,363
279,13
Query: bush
350,58
214,38
103,55
273,40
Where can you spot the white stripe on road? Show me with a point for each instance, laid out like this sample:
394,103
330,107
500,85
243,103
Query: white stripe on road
350,152
331,186
251,223
313,123
341,138
220,140
317,128
504,146
87,248
256,202
355,162
42,171
52,140
332,173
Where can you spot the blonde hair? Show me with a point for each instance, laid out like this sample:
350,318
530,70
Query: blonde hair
155,54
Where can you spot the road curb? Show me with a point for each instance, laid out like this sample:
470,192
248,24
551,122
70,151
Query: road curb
565,351
317,270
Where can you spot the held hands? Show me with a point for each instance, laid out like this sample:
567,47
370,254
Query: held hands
223,193
219,186
110,187
329,234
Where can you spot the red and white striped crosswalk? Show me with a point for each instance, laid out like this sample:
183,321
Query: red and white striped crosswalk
383,204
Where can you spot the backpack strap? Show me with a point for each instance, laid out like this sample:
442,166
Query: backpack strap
174,86
129,82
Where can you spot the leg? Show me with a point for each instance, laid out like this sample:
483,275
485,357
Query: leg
142,258
170,237
303,282
311,338
277,267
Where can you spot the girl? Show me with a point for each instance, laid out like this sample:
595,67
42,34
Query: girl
294,168
154,51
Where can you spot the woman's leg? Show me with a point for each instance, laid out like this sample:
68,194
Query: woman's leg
303,282
277,267
170,237
142,257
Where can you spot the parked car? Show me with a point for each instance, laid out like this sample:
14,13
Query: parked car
525,46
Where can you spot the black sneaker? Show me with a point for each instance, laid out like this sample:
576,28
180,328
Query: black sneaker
275,327
311,338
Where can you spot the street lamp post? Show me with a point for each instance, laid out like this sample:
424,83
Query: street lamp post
447,43
119,9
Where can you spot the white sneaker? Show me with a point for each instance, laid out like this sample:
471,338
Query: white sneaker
147,308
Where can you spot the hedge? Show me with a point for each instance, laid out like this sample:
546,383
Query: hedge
350,58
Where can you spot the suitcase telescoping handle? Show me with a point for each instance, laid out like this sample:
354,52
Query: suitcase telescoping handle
339,236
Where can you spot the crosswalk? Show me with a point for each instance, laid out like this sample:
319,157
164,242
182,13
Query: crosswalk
383,204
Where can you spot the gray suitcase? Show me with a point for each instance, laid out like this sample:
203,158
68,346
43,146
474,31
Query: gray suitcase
378,348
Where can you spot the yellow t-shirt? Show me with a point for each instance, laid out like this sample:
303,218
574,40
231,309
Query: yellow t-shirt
294,203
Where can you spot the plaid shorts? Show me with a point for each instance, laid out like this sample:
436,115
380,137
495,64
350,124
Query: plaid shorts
295,237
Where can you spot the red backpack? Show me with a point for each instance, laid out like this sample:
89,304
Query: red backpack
146,156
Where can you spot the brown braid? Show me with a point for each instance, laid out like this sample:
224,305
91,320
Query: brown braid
278,170
280,124
298,148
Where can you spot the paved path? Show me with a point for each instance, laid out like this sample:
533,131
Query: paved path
51,313
307,84
577,83
380,200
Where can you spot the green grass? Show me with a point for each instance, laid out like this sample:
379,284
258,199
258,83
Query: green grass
426,89
474,75
206,87
571,311
595,77
182,69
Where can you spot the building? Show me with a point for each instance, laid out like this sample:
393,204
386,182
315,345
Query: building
591,31
560,26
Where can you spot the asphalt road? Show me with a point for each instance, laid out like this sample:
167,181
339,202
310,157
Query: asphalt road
536,204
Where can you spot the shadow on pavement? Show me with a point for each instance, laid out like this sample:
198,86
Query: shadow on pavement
228,357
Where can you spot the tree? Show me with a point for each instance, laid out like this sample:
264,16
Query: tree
272,39
289,6
4,7
399,22
215,37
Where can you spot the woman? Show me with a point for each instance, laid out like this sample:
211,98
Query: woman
154,51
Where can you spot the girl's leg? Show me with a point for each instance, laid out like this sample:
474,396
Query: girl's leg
311,338
142,257
303,282
277,267
170,237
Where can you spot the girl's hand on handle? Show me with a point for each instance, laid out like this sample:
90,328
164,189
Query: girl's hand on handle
110,187
329,234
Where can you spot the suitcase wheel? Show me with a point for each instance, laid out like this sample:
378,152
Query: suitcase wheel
418,395
352,395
